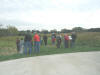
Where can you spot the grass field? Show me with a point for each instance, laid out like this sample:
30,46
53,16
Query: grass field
87,41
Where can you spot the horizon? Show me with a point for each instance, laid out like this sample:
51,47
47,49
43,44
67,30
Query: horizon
5,26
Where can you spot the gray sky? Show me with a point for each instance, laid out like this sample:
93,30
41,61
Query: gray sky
50,14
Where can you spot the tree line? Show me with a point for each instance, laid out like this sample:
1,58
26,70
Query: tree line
13,31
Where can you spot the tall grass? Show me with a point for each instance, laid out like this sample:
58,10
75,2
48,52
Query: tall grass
8,45
89,39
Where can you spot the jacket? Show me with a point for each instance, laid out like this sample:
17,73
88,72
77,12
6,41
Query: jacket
36,38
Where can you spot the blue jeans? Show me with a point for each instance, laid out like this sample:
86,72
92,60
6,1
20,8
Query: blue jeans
66,43
27,45
72,43
36,47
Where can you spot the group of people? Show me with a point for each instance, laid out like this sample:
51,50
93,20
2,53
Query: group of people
26,45
69,41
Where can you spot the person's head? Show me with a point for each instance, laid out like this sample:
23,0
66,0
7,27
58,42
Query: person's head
66,34
58,33
35,32
17,38
39,34
73,33
21,38
28,31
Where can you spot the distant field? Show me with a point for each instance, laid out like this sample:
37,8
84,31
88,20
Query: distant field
87,41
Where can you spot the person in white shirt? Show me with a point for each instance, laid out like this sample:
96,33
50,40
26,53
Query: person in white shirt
21,46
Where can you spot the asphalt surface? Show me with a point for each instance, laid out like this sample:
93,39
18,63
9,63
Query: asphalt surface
82,63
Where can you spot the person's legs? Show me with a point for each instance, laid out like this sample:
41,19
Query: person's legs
65,43
17,48
21,48
30,47
59,44
25,48
38,47
72,43
52,42
35,49
46,42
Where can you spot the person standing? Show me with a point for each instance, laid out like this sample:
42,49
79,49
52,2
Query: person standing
45,38
58,40
28,43
21,46
74,36
36,39
53,37
41,40
70,40
66,40
18,44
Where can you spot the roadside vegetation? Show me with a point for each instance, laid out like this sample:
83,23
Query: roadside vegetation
86,41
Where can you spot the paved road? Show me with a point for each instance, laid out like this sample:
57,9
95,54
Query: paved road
86,63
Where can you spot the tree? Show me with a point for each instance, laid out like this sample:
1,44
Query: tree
12,30
45,31
22,33
65,31
94,30
53,31
78,29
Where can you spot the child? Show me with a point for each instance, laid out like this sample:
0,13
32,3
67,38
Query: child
21,45
18,44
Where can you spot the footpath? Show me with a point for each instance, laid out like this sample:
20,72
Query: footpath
82,63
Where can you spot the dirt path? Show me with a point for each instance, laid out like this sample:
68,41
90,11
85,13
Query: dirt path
86,63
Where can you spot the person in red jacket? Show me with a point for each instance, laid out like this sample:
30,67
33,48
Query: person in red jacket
66,40
36,39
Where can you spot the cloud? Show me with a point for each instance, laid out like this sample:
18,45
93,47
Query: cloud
41,14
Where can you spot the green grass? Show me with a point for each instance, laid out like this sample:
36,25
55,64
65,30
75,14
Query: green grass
84,43
51,50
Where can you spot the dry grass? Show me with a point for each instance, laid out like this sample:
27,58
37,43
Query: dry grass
8,44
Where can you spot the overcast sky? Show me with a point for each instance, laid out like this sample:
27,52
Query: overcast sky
50,14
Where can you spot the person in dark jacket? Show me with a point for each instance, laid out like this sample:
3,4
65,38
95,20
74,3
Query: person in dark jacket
58,40
53,38
28,43
45,38
74,36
